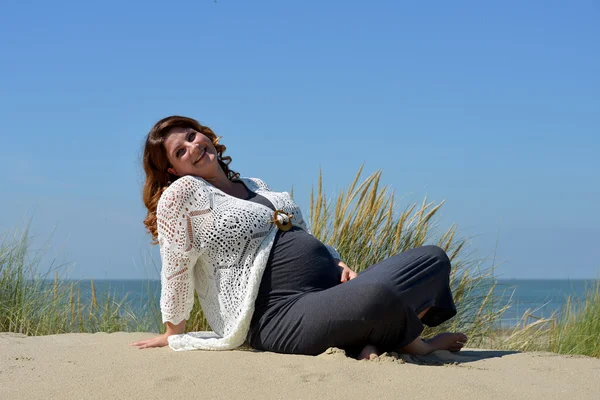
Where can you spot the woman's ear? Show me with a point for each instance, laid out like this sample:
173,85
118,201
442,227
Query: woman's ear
172,171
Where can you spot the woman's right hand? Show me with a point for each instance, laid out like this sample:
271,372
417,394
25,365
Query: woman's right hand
161,340
157,341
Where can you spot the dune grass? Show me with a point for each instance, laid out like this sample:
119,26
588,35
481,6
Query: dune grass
34,303
575,330
364,222
578,331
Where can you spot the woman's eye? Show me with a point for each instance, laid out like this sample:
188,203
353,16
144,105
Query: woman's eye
191,136
179,153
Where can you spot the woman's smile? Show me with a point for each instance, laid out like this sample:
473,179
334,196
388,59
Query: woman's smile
202,153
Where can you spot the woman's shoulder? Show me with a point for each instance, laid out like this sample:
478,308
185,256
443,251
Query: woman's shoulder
181,191
255,184
186,184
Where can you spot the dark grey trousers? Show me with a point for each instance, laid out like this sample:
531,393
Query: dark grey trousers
378,307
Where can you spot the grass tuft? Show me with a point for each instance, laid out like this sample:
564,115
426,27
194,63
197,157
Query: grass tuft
32,304
366,226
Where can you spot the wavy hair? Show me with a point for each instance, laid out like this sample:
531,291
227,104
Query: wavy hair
156,163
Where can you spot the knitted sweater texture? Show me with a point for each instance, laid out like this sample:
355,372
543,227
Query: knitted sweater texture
217,245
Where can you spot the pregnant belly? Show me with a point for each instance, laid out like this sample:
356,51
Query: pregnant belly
299,262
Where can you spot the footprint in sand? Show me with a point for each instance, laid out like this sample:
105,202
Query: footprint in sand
313,377
170,379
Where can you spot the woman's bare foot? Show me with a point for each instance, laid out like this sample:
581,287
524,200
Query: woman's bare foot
444,341
448,341
369,352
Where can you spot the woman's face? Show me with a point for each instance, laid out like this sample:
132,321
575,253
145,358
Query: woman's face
191,153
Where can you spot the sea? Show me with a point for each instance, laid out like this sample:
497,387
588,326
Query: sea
532,299
528,300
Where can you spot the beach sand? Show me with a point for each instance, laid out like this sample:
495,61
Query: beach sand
103,366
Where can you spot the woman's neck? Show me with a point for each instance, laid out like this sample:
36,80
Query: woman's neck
231,188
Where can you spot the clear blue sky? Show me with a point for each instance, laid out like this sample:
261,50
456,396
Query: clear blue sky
493,106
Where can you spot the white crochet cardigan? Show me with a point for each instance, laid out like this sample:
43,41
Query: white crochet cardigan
218,245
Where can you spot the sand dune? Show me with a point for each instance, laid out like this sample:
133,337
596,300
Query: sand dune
103,366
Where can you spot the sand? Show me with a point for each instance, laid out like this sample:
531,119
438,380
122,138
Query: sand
103,366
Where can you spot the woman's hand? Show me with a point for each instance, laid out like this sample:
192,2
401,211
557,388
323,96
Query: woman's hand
157,341
161,340
347,273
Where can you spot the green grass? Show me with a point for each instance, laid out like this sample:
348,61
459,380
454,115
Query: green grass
33,304
365,222
576,330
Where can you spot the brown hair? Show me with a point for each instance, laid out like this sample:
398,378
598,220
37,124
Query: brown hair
156,163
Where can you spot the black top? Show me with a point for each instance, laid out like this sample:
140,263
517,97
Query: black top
298,263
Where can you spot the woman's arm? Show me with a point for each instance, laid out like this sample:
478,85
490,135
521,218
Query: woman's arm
179,248
179,253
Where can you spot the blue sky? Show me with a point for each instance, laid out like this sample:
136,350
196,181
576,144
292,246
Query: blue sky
492,106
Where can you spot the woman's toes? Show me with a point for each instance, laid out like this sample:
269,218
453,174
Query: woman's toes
369,352
456,347
448,341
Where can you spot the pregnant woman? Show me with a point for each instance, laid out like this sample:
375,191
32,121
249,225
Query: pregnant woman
261,277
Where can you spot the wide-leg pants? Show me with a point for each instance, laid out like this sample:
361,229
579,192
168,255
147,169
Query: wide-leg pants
379,307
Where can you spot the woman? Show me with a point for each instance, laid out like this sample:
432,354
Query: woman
261,277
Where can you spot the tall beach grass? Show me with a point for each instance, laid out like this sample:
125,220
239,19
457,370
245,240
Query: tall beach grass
34,301
365,222
573,330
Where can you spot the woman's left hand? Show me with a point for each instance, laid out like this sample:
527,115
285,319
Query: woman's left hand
347,273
